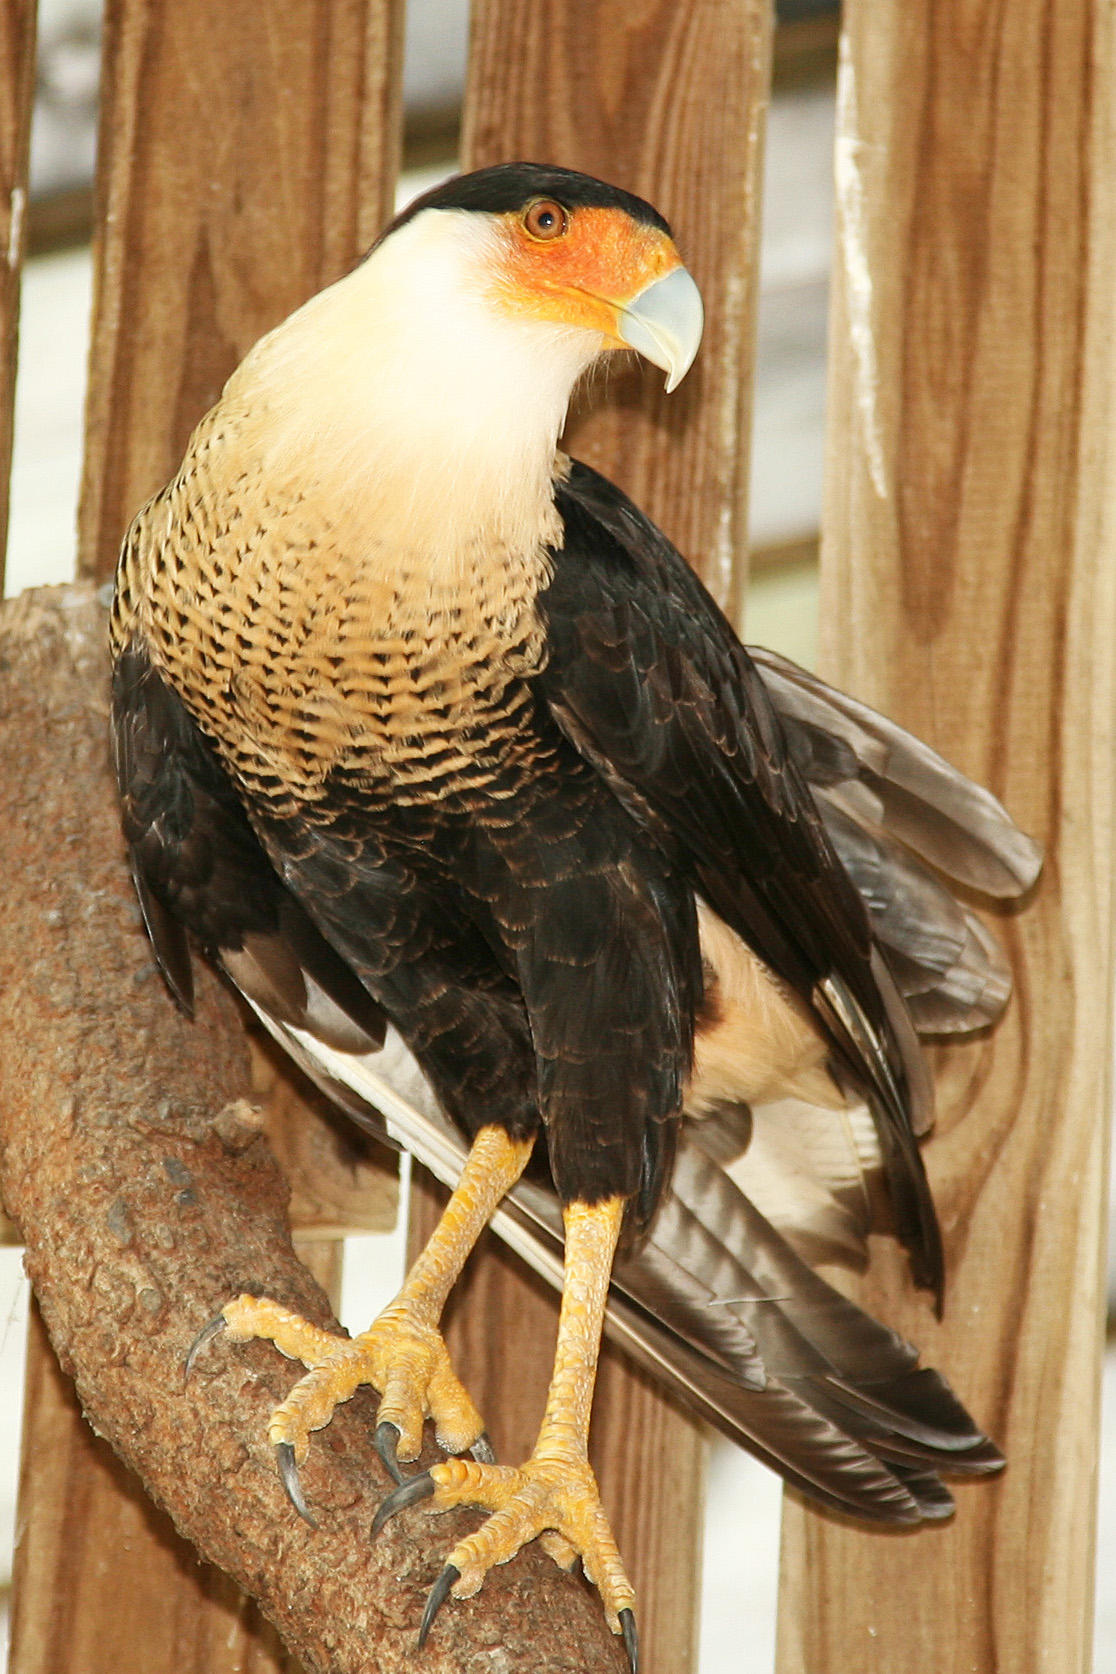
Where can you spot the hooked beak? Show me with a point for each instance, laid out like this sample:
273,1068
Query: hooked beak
664,322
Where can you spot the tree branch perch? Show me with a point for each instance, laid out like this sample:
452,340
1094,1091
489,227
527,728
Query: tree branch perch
146,1196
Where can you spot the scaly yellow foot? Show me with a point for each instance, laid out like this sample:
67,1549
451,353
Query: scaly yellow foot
402,1354
553,1497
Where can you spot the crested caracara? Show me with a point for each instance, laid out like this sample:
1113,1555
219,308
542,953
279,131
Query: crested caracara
434,742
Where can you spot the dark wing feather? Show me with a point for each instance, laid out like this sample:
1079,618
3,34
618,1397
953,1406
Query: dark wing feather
902,819
649,682
890,781
949,969
716,1303
715,1300
197,862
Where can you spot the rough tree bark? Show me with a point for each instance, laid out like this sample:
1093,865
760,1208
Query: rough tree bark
145,1193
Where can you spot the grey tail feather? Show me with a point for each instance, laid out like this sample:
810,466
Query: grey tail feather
900,1097
908,828
947,965
717,1303
887,779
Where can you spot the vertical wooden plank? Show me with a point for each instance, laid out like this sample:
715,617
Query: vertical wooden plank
17,84
668,101
248,154
969,560
73,1610
342,1179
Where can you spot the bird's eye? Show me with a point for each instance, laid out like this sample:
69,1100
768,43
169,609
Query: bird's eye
544,219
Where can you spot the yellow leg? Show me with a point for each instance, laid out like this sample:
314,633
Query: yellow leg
554,1494
402,1354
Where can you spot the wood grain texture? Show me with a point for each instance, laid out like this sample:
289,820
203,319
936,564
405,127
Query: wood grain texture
969,564
17,85
667,101
249,152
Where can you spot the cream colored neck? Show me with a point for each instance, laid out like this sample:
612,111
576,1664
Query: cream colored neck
422,407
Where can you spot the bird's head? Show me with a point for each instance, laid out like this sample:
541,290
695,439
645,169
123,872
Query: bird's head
556,248
428,387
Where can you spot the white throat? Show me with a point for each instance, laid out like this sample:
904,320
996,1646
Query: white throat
415,397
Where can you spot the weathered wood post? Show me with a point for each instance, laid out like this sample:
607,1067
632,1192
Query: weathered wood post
969,560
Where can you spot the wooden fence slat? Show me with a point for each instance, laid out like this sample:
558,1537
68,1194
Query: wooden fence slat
969,560
342,1180
668,101
71,1614
248,154
17,86
17,83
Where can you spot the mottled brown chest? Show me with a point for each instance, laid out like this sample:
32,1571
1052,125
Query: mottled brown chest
308,647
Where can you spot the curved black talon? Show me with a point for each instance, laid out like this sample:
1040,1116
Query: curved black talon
410,1492
482,1450
205,1335
631,1638
439,1592
288,1470
385,1440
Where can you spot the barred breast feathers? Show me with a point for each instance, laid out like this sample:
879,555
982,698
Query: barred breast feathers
306,639
332,584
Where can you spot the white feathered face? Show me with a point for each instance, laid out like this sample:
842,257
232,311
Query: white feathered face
429,386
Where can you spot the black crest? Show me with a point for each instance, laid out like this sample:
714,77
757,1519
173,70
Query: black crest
506,187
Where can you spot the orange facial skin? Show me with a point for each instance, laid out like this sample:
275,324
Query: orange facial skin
585,274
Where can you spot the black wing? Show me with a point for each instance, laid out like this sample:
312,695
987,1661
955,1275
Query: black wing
649,682
719,1303
723,1308
197,862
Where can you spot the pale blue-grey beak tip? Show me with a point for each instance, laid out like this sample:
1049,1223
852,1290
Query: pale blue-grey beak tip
664,324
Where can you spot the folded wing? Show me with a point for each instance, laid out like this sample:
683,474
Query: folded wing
721,1299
